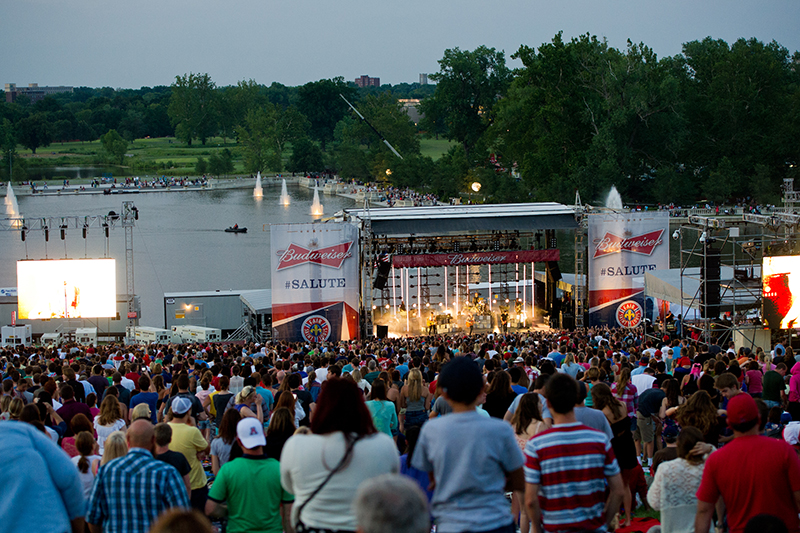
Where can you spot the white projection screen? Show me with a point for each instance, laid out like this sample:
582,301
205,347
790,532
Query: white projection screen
67,288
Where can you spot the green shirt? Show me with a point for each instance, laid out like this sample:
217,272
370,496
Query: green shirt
251,486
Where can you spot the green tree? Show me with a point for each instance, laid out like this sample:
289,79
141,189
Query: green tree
286,125
8,147
201,167
720,183
742,104
582,115
220,163
354,135
255,139
193,108
306,157
323,107
33,131
468,86
115,146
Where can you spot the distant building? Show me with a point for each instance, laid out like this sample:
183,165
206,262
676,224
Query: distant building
34,92
423,79
366,81
411,107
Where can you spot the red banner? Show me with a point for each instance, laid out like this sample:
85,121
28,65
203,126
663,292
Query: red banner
474,258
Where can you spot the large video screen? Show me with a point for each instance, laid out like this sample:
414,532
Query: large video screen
780,277
68,288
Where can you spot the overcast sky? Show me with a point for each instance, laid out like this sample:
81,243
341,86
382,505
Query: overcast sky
137,43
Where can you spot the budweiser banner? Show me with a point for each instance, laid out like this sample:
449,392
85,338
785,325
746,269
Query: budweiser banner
314,282
622,247
474,258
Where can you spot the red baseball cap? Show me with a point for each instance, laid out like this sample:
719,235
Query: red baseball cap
742,408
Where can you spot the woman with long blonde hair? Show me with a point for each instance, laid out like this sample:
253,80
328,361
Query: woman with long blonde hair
245,400
115,446
108,421
416,398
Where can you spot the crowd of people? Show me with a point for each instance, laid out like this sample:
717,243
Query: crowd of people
552,431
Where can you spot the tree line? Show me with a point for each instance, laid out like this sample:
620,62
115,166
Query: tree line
719,122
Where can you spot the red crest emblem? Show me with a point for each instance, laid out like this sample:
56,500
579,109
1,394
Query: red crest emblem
629,314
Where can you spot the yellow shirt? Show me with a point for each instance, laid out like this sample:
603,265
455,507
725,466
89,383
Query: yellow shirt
188,440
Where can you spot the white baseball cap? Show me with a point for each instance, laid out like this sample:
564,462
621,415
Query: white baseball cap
250,433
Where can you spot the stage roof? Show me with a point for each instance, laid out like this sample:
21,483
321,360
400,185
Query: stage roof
460,219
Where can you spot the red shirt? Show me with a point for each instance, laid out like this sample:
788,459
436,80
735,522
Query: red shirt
754,475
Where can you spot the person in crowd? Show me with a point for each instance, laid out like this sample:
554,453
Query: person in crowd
391,504
421,478
42,490
281,428
178,520
188,440
116,446
147,396
567,468
79,423
384,415
87,461
527,422
71,407
674,488
221,446
248,490
108,421
736,473
499,395
622,443
248,403
132,491
163,435
459,480
323,470
416,399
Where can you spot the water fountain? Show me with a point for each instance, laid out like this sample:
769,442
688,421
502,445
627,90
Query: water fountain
12,208
258,192
316,207
284,199
614,200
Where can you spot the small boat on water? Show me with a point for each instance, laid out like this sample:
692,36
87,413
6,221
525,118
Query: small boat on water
235,230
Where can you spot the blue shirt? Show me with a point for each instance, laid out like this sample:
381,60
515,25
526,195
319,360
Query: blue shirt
130,492
470,470
41,488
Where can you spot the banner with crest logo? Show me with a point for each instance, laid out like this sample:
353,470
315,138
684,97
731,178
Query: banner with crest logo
314,282
622,247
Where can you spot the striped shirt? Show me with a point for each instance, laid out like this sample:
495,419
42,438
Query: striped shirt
570,463
130,492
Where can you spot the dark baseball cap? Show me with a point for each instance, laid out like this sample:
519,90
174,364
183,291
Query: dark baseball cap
461,379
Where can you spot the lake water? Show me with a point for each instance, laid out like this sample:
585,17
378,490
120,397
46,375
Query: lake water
179,242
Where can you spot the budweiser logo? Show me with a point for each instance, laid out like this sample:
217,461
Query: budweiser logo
641,244
331,256
462,259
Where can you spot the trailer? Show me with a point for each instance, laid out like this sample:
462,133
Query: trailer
51,339
189,334
86,336
18,335
149,335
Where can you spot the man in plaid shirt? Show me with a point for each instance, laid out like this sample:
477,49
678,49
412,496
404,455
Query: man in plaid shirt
130,492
